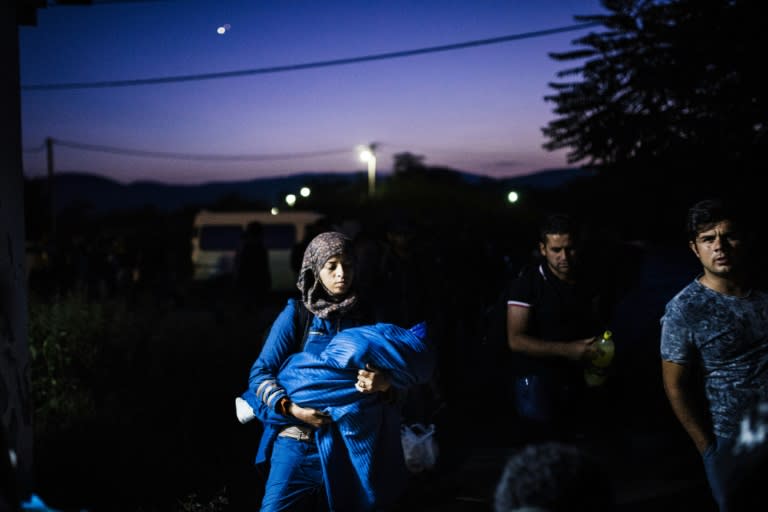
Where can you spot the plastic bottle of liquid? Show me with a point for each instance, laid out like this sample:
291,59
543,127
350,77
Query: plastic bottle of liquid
597,371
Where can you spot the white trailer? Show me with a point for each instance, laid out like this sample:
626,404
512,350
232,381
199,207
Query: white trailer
217,236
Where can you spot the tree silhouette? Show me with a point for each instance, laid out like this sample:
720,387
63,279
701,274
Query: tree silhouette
667,85
407,162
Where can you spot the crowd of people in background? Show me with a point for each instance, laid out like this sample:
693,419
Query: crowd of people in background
558,293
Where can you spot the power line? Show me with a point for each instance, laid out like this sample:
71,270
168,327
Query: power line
85,3
38,149
198,156
307,65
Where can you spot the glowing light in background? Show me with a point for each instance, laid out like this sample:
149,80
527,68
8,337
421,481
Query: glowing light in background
367,154
223,29
304,192
513,196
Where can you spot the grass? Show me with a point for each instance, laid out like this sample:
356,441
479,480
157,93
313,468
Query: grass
134,402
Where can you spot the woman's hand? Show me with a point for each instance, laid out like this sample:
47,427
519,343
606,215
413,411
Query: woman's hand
372,380
310,416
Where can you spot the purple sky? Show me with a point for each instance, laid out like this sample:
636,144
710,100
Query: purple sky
478,109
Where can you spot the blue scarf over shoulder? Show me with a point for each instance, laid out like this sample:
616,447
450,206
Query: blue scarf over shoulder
361,451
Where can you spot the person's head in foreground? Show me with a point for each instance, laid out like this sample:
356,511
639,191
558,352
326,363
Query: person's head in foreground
554,477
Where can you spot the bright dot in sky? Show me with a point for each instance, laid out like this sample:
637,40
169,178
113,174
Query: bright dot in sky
290,199
223,29
304,191
512,197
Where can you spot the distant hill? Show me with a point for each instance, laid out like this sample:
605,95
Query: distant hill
548,178
102,194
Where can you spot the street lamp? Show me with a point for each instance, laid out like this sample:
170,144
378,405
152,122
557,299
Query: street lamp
368,154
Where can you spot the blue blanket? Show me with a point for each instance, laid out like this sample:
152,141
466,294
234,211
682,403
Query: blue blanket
361,451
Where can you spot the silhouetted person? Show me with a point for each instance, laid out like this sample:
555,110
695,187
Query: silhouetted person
405,294
252,278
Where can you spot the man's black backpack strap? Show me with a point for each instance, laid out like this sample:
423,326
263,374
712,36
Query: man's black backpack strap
302,319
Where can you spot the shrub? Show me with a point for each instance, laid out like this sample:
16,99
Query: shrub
67,338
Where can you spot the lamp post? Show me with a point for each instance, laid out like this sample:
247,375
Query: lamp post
368,154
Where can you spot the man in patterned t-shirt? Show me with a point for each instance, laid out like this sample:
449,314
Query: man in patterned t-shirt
714,338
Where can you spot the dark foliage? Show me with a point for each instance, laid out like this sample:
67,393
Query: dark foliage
667,87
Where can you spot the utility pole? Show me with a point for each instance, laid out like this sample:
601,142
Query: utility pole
51,196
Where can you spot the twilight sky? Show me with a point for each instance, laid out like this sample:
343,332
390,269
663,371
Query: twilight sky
478,109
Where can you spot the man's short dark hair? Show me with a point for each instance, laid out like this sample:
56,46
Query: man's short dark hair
557,224
706,214
556,477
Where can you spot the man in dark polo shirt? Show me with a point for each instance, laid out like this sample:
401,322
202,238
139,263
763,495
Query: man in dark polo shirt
555,315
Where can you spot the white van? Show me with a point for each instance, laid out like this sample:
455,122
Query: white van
217,236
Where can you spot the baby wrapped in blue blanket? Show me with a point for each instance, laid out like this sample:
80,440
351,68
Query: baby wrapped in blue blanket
360,450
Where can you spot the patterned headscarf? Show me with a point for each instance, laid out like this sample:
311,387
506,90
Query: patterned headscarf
314,295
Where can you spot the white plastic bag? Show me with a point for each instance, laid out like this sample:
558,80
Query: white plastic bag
243,410
419,447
